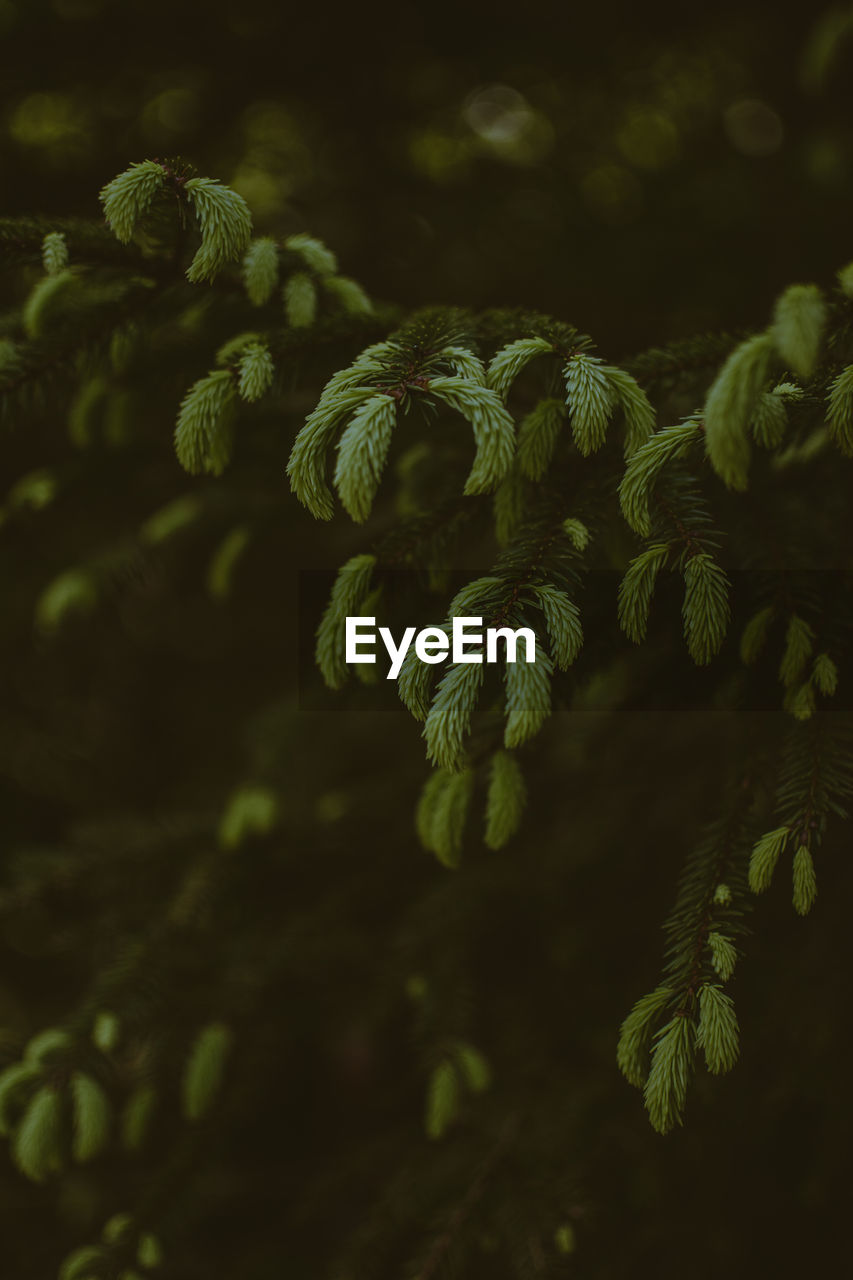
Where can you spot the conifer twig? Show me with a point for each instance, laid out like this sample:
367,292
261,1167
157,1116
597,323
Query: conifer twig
462,1212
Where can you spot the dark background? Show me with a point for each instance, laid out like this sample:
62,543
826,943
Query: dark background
644,175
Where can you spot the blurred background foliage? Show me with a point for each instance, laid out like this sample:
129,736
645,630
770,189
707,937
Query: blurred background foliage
644,174
495,157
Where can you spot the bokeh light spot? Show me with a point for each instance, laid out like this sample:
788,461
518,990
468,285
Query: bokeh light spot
753,128
505,124
170,114
55,123
438,156
649,139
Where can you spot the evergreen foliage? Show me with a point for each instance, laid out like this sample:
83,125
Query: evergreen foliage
497,467
506,799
